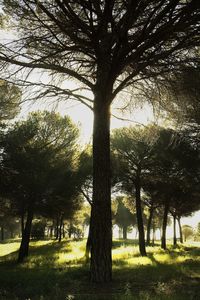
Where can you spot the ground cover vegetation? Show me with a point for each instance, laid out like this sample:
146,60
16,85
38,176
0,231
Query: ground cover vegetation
59,271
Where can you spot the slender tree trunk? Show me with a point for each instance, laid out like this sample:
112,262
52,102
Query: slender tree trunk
2,233
164,226
63,230
174,229
180,230
11,234
153,236
101,225
24,247
57,228
60,229
22,223
51,232
151,210
140,224
70,233
124,232
119,233
70,230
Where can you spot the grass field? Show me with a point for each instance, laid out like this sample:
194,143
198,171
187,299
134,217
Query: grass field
59,271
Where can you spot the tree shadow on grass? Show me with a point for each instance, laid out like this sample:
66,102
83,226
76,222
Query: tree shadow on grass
10,241
42,256
50,248
172,279
159,279
40,275
122,242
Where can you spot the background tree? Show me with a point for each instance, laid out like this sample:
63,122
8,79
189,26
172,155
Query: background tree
10,97
187,232
198,228
133,148
185,203
151,200
123,217
85,171
33,151
176,168
105,46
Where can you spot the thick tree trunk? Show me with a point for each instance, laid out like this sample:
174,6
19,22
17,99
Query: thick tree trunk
174,230
164,226
151,210
180,230
2,233
124,232
101,225
24,247
140,224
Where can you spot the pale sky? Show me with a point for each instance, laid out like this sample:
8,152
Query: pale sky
83,116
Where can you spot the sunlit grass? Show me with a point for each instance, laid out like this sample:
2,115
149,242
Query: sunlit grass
54,270
8,248
72,253
74,256
41,243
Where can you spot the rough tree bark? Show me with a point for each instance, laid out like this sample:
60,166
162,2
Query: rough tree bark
140,224
164,226
101,225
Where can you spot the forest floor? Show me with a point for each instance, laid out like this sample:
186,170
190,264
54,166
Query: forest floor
59,271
